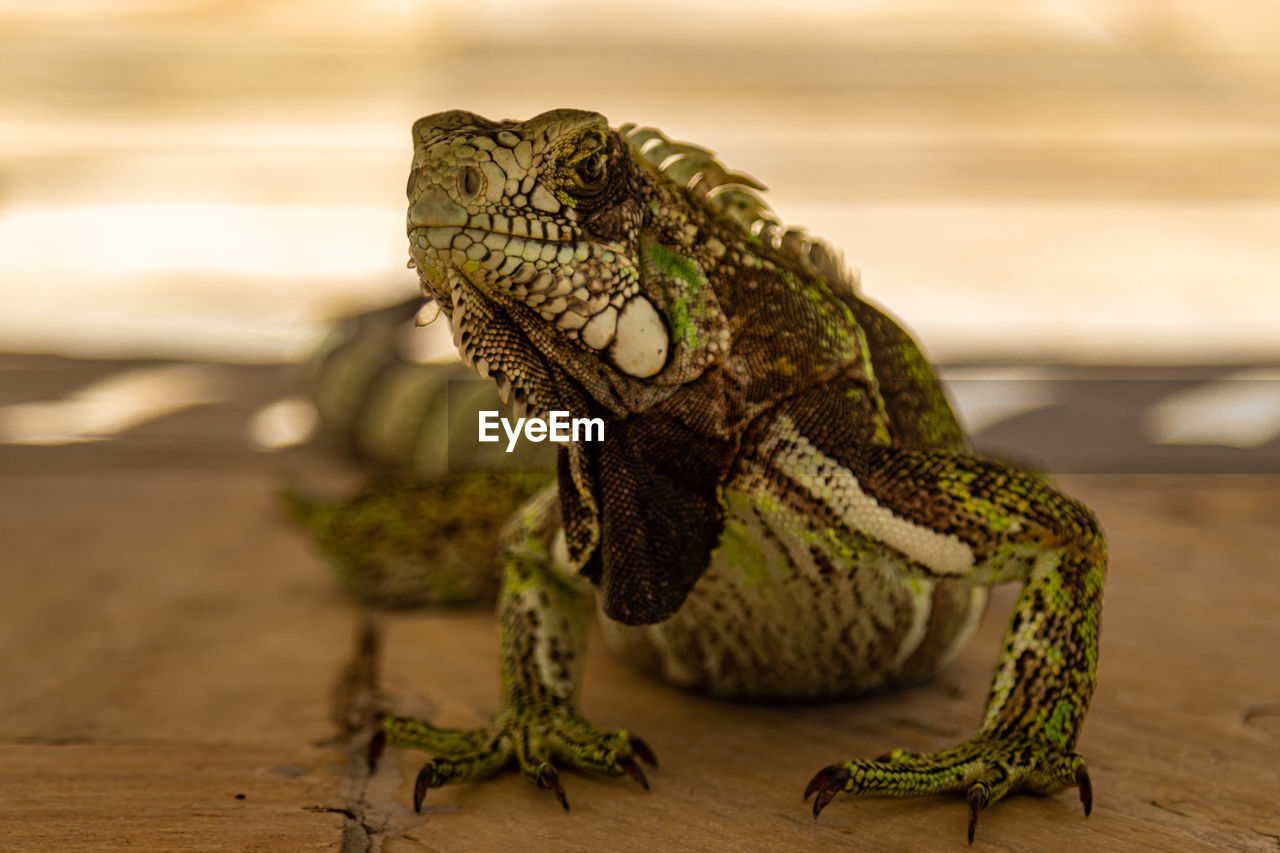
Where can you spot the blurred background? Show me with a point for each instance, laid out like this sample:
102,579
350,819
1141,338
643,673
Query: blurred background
1090,181
1027,184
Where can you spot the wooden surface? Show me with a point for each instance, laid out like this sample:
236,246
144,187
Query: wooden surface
170,643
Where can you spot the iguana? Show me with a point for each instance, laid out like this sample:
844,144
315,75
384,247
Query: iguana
783,504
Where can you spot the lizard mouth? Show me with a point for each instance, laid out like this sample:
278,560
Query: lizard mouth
442,231
514,259
567,283
433,210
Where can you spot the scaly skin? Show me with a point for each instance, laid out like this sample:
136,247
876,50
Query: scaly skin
784,504
544,621
376,540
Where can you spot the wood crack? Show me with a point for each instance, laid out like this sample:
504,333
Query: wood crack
356,713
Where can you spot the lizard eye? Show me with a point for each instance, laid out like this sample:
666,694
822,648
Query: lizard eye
469,182
590,169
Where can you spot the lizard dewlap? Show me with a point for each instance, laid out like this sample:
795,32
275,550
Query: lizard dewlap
778,502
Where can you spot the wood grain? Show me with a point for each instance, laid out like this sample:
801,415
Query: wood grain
171,642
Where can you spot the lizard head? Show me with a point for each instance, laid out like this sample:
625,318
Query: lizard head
527,234
617,272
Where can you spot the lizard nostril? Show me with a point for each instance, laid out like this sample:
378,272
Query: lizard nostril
469,182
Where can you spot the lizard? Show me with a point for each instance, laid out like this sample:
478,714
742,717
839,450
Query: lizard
784,505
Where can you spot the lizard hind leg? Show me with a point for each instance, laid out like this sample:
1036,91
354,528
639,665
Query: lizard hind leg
408,544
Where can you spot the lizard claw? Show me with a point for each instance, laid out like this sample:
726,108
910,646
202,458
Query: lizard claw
420,786
549,778
977,802
535,737
377,744
429,776
984,769
828,783
820,779
1086,789
633,770
826,795
643,752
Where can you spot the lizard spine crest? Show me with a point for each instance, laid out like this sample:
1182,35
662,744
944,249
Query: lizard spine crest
737,197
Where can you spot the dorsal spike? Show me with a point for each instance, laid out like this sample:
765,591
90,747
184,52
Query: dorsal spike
736,197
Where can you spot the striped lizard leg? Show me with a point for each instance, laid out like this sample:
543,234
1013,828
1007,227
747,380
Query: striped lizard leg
972,520
405,543
543,618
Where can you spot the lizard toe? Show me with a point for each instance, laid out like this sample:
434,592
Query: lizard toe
984,769
535,738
